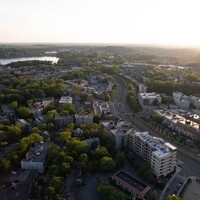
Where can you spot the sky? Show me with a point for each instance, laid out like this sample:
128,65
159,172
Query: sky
170,22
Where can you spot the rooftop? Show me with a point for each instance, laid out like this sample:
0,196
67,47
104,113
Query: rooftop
131,180
37,153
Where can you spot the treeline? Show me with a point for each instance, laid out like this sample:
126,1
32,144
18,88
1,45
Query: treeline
168,81
21,90
29,63
132,98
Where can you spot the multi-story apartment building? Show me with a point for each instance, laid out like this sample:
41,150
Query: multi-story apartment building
83,119
160,155
120,132
35,157
181,100
62,120
149,99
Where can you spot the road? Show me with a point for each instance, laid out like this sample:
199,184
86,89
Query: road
191,164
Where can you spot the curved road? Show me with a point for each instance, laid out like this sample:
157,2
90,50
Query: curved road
191,164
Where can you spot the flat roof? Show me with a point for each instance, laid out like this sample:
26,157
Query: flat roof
131,180
170,146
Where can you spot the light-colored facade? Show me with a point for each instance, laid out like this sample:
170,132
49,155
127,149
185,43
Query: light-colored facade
35,157
119,131
185,126
149,99
160,155
64,100
181,100
83,119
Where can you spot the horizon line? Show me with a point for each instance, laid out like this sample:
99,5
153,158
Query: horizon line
104,44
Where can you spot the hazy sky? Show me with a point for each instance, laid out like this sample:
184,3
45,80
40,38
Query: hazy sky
101,21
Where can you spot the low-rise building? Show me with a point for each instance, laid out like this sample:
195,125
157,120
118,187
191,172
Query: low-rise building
90,141
160,155
185,126
20,185
35,157
23,123
131,184
64,100
149,99
7,110
181,100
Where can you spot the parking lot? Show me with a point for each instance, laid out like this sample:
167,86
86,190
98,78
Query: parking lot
90,182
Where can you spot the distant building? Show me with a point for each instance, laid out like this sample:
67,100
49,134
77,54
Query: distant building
195,101
188,126
64,100
39,107
63,120
83,119
35,157
7,110
131,184
92,140
142,88
149,99
78,132
23,123
160,155
181,100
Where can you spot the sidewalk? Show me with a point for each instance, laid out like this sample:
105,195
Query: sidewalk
178,169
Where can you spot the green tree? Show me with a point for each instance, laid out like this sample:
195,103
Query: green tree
14,105
171,197
23,112
109,192
107,164
120,158
66,136
5,164
14,132
100,152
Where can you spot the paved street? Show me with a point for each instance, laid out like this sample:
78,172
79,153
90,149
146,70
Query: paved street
191,163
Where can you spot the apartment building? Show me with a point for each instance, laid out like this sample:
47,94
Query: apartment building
188,125
160,155
181,100
149,99
35,157
83,119
120,132
64,100
62,120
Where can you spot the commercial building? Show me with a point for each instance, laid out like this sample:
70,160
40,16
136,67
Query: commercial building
131,184
160,155
149,99
35,157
